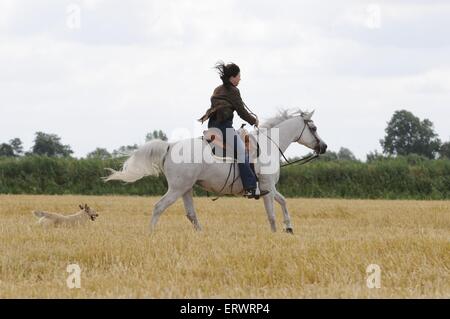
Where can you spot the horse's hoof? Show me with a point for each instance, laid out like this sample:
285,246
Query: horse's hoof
290,231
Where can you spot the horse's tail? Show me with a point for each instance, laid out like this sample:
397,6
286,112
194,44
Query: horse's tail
146,160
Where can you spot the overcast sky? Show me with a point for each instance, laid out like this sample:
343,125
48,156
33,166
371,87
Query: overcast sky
104,73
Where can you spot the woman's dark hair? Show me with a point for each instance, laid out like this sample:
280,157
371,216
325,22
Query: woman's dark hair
226,71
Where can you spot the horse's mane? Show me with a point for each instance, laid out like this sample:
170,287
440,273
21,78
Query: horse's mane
281,116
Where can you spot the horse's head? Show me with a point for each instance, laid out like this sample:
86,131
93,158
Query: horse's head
308,135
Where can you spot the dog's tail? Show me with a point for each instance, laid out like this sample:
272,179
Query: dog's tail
40,214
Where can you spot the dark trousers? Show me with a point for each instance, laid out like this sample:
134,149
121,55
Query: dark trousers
247,176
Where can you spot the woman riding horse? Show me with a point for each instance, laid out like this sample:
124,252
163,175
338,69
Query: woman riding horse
225,100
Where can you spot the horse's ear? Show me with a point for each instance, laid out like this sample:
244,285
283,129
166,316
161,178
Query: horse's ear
86,206
308,116
81,206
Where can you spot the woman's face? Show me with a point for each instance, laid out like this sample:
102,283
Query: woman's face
235,79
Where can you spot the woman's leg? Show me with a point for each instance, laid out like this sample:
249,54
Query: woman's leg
247,176
230,137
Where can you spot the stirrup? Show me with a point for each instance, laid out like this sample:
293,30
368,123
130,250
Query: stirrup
261,193
255,193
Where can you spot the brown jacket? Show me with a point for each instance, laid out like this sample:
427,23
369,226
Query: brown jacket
225,100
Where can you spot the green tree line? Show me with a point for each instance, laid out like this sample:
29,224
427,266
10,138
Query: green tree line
402,177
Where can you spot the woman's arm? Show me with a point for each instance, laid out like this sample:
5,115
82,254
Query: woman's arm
240,108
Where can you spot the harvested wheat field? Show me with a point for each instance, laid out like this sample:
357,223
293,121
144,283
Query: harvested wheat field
235,256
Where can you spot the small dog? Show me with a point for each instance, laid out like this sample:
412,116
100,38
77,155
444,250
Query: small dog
53,219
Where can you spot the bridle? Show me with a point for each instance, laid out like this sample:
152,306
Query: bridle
307,158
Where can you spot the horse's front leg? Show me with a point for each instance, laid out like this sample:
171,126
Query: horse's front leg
279,198
268,204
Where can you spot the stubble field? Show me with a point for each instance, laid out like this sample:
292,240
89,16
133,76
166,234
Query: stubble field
235,256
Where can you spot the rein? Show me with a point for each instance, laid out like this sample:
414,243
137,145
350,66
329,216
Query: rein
302,160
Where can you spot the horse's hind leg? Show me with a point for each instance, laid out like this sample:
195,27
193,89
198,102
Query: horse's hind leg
190,210
287,219
168,199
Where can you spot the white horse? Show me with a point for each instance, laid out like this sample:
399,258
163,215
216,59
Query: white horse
153,158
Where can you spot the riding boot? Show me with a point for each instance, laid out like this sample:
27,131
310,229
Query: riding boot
255,193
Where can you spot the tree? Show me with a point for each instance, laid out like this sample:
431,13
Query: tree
329,156
375,156
156,135
445,150
345,154
99,153
406,134
50,145
124,150
13,149
16,144
6,150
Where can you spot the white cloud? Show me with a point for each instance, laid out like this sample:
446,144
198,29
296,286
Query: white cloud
137,66
6,12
